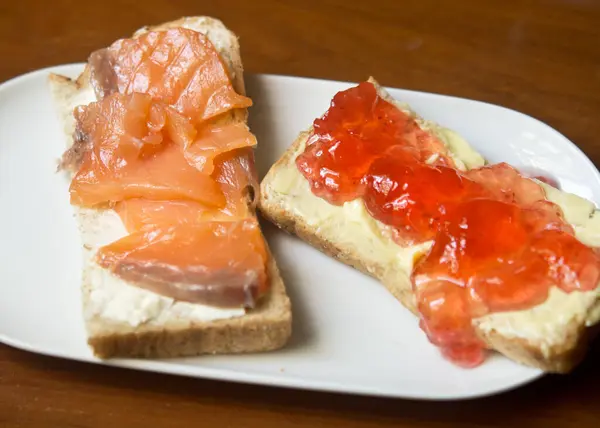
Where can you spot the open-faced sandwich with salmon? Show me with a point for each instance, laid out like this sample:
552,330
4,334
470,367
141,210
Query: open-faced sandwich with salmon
163,184
487,258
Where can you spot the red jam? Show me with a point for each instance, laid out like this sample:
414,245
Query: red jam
358,128
395,185
498,244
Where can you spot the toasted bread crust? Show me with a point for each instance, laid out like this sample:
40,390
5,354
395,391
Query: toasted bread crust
560,358
264,328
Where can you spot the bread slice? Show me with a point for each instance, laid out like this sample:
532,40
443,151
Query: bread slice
126,321
552,336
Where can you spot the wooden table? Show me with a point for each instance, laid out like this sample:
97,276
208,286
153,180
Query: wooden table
539,57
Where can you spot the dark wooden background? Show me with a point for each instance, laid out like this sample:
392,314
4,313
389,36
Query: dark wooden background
538,57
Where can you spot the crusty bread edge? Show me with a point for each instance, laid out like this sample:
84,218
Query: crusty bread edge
265,328
559,359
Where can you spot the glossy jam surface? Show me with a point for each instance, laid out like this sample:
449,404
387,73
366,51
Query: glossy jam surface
498,244
394,194
491,256
358,128
161,148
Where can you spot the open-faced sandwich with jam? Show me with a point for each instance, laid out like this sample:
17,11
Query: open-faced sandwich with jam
487,258
163,184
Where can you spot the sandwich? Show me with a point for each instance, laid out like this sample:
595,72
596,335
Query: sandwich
160,163
488,259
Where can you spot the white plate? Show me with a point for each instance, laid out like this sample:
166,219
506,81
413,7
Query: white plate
349,335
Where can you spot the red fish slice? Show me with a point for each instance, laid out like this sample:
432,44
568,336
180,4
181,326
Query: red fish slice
129,156
179,67
216,139
213,263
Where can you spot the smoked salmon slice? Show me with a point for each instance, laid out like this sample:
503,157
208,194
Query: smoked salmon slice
130,155
214,263
235,174
235,171
215,139
164,175
137,214
180,67
161,149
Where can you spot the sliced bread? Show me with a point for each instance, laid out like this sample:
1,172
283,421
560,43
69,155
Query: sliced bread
123,320
552,336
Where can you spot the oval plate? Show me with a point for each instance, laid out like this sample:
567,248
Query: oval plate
340,342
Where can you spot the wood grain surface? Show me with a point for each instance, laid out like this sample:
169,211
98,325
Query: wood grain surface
539,57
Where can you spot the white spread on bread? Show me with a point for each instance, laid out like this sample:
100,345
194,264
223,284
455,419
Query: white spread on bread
115,299
351,224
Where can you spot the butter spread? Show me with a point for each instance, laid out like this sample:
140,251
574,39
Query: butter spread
352,226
